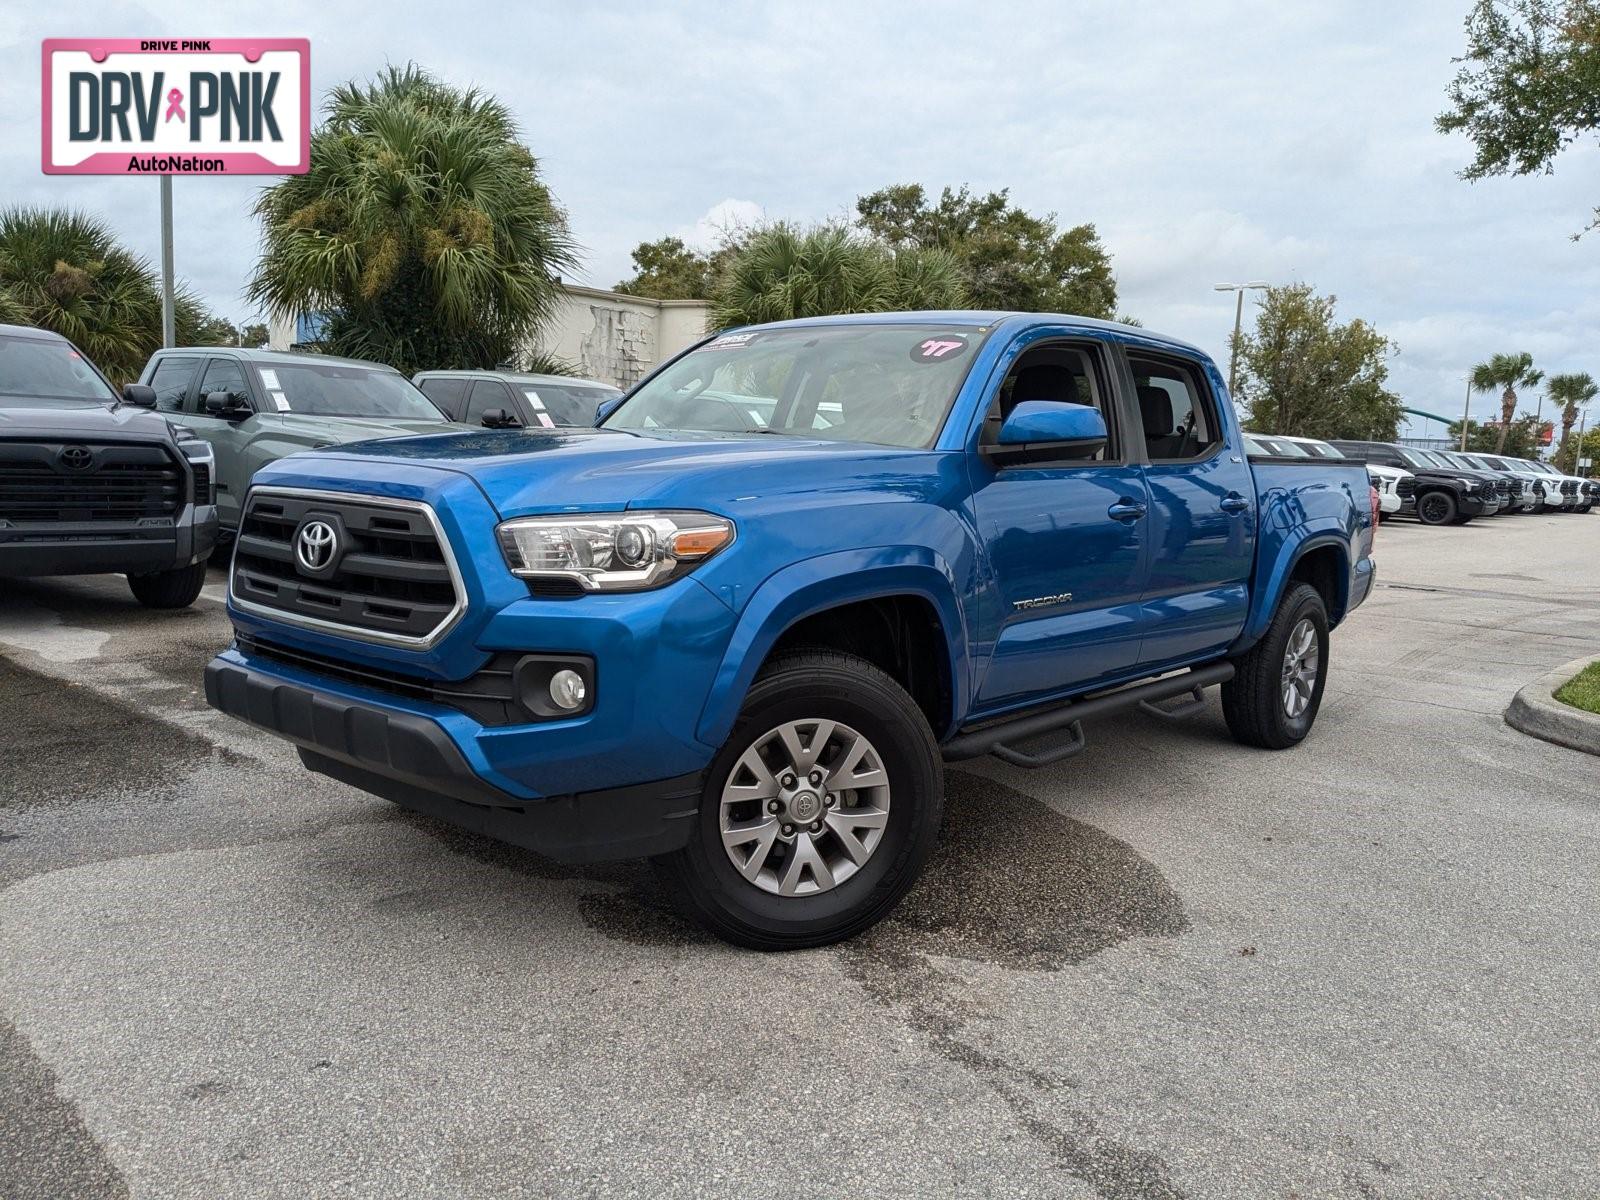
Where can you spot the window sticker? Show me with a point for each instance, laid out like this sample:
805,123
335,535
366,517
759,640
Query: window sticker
729,341
943,348
281,401
540,413
269,380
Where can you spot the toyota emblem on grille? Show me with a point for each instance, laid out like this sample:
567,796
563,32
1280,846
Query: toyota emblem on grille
315,545
76,458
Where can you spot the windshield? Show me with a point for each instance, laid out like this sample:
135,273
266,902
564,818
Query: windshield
1543,468
1416,458
891,385
36,369
342,390
1283,449
1322,450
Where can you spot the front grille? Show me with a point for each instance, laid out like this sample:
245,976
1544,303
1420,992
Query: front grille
82,482
1569,487
387,575
1515,485
488,695
1406,486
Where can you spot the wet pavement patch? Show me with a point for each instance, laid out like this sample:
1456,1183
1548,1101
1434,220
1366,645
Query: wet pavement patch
61,743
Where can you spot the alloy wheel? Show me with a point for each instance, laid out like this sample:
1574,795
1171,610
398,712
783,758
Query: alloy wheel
804,808
1302,658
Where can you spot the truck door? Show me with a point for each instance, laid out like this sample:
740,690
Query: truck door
228,435
1065,541
1202,512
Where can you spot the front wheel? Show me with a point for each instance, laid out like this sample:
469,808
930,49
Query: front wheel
819,811
1437,508
1273,697
177,588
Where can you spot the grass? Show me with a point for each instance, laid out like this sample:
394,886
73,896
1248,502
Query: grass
1583,690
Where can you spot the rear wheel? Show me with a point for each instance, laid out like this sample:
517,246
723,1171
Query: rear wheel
1437,508
1273,697
177,588
819,811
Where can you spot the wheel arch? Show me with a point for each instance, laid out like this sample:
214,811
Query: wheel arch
834,601
1319,559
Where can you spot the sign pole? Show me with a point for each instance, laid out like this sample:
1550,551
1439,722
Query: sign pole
169,306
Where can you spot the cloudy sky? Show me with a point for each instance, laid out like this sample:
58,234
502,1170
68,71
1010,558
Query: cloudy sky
1208,142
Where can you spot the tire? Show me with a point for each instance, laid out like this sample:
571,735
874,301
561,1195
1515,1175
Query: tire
1437,508
177,588
797,692
1254,700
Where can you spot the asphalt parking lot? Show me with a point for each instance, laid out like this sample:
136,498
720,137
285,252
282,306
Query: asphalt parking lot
1169,967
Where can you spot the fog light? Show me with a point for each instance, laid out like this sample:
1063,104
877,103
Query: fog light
566,690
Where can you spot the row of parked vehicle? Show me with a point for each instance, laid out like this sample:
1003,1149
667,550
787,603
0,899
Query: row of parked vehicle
148,482
1445,487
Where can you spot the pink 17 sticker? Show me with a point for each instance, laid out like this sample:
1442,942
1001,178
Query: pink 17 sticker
939,349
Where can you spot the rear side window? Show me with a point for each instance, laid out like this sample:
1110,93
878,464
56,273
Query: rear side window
222,375
449,394
171,381
1177,410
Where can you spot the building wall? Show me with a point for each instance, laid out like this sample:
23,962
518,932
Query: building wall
603,335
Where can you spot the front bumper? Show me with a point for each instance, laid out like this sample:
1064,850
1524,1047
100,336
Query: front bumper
101,547
409,759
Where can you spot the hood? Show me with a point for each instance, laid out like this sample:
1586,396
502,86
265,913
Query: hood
51,419
1383,472
528,471
339,430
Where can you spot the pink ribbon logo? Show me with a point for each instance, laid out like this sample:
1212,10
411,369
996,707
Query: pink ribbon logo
175,105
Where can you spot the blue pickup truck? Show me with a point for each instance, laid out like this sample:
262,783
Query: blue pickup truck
738,627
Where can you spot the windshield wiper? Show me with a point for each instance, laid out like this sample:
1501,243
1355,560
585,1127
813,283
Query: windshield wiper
766,429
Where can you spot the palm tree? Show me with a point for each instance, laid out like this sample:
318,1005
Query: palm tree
65,271
1572,392
1506,372
783,272
423,229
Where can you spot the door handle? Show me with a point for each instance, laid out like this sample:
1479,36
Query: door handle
1235,503
1126,510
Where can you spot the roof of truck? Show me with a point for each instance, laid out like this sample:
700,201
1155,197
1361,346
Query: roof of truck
980,318
277,356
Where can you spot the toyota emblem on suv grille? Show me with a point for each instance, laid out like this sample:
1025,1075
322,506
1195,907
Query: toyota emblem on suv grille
315,545
76,458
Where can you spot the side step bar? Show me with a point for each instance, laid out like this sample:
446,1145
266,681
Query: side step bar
996,739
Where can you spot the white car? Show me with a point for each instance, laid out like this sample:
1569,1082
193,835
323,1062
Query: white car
1538,492
1572,490
1397,489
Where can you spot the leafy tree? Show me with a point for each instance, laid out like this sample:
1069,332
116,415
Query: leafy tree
255,335
1011,258
1572,392
1528,86
1521,441
1507,373
195,326
783,272
669,269
66,271
1588,446
423,229
1303,373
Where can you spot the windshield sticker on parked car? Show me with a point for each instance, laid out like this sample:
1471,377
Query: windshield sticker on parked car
281,401
540,413
945,347
729,341
269,380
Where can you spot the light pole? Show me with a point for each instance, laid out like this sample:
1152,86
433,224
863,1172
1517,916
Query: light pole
1238,326
1466,416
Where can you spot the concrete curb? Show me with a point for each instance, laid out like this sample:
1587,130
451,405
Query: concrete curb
1534,711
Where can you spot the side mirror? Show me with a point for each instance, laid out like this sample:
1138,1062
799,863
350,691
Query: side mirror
141,394
606,408
230,406
1041,430
499,418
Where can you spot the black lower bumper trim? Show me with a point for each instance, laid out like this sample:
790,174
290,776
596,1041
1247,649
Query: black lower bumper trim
410,760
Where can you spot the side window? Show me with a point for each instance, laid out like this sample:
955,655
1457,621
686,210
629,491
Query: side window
222,375
1176,409
171,381
487,394
1059,375
449,394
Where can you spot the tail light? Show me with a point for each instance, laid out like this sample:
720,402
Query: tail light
1372,537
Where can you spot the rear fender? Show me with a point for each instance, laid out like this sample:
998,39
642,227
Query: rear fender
829,581
1273,575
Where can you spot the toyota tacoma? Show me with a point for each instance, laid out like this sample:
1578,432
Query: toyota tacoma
739,626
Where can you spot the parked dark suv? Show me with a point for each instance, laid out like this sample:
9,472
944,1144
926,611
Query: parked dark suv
1446,495
96,483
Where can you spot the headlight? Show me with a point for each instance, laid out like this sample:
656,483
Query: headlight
627,552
